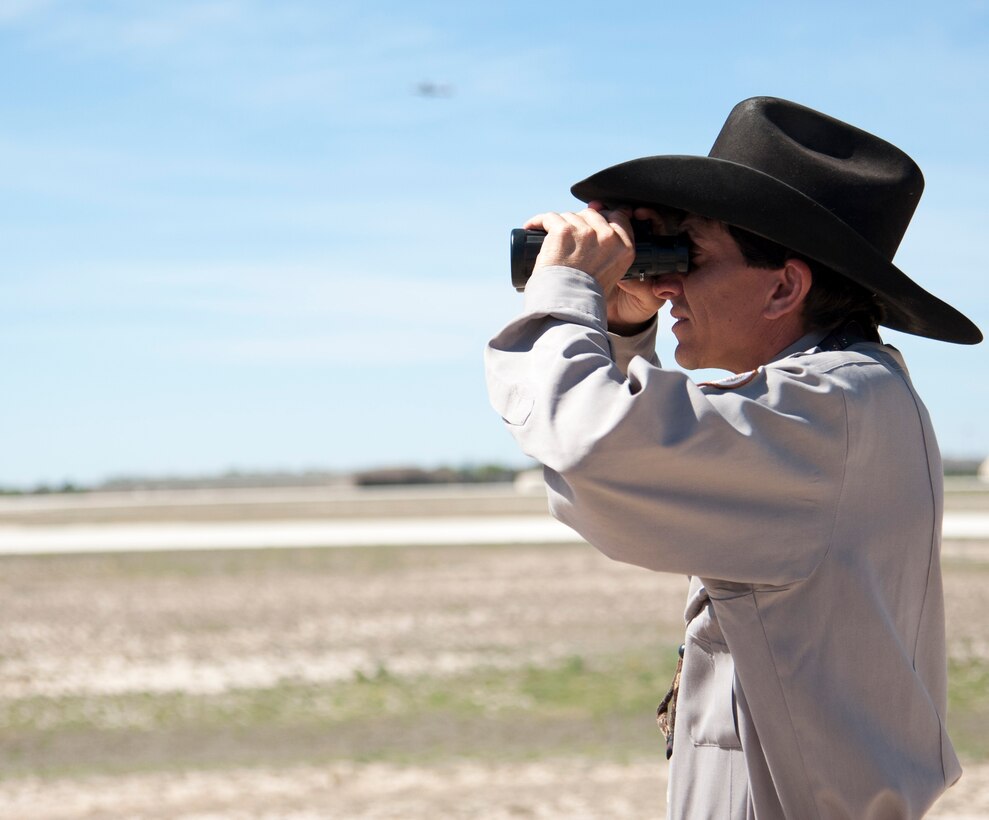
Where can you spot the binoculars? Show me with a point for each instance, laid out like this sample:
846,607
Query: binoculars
653,257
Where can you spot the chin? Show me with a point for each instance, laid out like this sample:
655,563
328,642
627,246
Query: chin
684,359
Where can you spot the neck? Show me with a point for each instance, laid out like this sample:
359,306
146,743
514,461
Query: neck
778,337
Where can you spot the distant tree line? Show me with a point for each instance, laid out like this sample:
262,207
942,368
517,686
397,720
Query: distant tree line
480,474
471,474
961,466
377,477
45,489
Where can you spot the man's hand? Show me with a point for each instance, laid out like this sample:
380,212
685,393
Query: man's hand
600,243
595,241
633,304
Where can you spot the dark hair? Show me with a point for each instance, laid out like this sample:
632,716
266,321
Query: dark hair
832,300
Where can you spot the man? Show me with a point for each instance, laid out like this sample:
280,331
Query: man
803,495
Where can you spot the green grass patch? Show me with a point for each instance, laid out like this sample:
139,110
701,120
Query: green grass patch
575,686
598,706
968,707
964,565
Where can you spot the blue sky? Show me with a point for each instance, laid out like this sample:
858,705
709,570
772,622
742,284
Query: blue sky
235,237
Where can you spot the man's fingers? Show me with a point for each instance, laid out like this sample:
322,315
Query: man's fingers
661,223
598,243
642,291
606,221
540,222
587,219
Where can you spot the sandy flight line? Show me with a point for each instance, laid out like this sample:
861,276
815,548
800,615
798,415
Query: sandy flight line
205,634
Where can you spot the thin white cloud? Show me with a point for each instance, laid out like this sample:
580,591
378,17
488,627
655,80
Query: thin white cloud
321,56
137,27
330,291
12,11
262,316
170,25
384,344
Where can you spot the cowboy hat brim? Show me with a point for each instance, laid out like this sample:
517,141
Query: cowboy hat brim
758,202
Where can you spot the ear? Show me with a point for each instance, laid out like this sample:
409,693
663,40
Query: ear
791,284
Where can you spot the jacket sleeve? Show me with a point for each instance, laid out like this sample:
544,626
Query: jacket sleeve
738,484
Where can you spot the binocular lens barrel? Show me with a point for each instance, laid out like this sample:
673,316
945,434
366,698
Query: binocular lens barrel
658,255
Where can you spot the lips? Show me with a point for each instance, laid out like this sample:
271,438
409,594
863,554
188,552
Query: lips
678,318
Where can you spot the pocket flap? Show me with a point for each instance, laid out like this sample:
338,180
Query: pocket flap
512,401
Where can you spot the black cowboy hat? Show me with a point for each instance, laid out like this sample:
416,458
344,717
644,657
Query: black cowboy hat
824,189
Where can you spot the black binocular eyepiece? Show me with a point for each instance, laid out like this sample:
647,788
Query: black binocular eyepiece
653,257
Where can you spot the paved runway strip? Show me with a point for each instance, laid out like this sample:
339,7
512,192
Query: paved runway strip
265,534
530,529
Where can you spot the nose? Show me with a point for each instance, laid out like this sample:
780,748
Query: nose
668,286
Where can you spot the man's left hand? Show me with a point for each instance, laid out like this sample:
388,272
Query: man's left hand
595,241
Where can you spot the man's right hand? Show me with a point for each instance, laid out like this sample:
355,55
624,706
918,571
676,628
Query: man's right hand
633,303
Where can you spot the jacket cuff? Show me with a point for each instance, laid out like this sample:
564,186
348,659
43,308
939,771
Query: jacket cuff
567,293
643,343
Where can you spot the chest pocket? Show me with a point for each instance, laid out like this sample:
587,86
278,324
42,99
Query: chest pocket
706,705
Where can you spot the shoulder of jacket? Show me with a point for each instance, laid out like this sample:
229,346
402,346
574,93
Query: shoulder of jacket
807,364
823,361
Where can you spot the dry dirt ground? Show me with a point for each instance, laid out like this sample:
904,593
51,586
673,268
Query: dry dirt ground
554,788
470,682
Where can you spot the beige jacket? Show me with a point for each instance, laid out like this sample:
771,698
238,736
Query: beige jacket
805,500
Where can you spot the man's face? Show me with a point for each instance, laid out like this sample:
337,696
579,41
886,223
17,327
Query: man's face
718,306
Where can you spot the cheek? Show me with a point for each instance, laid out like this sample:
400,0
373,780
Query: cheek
711,302
736,304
